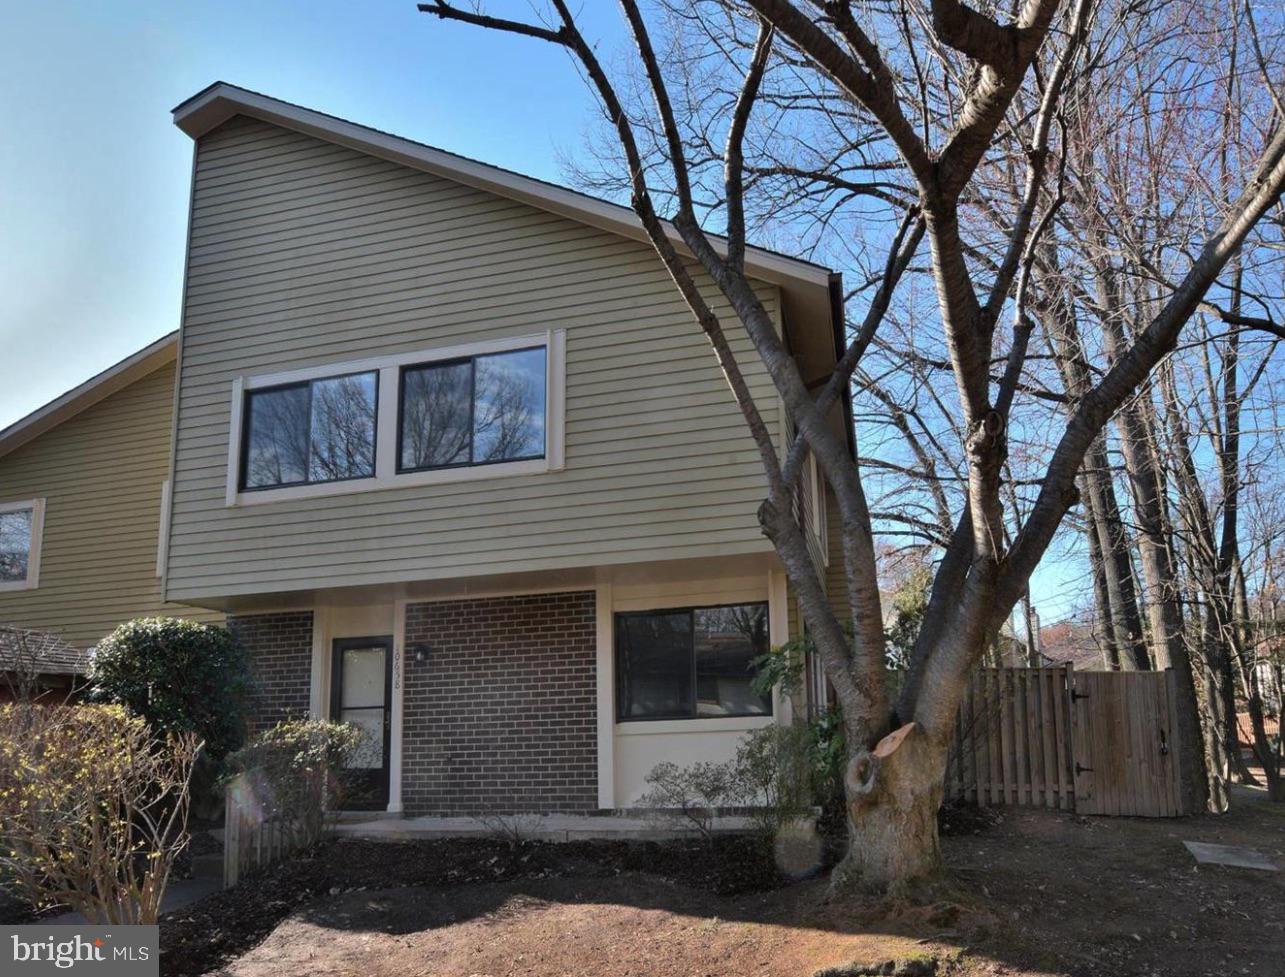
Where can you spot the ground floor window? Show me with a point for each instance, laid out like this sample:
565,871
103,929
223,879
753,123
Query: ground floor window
690,663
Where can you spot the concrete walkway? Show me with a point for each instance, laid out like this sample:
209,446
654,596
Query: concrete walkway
531,827
178,894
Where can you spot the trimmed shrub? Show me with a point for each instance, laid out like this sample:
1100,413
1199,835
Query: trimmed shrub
180,676
290,773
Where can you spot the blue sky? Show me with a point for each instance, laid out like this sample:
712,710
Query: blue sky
94,176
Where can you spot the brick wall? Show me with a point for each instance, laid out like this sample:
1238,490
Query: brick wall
501,717
279,649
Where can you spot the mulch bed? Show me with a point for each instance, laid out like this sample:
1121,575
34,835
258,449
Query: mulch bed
200,937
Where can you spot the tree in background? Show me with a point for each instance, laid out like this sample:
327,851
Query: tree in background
930,104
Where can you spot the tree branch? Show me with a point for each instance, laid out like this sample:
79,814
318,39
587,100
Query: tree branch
734,156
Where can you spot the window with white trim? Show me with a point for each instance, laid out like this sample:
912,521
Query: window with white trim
690,662
21,525
312,431
477,410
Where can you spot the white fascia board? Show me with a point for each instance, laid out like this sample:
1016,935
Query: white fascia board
63,408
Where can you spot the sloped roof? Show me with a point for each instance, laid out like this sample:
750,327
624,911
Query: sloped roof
212,106
114,378
39,653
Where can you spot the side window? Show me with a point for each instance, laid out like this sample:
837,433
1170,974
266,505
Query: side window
21,526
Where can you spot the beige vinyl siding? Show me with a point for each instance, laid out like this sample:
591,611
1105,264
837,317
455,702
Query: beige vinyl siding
305,253
100,474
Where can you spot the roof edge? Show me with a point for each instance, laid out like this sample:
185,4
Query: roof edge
66,406
221,101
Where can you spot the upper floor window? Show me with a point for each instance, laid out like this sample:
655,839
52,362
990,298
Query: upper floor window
319,430
478,410
474,411
690,663
20,530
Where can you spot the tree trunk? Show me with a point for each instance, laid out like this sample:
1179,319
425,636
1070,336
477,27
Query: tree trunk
1159,573
894,793
1117,569
1117,596
1101,592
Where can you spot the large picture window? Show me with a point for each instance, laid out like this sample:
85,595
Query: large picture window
472,411
20,529
319,430
690,663
475,411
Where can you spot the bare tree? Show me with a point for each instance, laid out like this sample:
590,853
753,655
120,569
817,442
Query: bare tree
963,69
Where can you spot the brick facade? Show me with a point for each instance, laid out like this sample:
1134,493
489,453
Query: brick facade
501,718
279,650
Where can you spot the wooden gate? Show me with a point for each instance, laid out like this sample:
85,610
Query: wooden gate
1012,740
1125,746
1091,742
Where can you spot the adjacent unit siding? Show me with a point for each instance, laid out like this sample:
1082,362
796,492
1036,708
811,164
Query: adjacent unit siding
305,253
100,473
500,717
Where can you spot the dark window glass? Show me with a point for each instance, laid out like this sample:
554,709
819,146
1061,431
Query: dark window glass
727,639
508,413
277,447
436,415
654,665
477,411
317,431
343,428
683,664
15,545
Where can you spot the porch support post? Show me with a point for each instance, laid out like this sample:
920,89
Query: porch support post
605,672
319,685
395,735
778,616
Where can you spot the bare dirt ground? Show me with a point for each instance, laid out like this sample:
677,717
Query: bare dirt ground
1033,893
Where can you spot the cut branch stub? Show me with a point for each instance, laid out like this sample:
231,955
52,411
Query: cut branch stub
893,793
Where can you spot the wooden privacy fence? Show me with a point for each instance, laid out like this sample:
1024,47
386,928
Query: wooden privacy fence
257,831
1091,742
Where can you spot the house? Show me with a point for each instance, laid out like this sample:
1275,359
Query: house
82,480
457,465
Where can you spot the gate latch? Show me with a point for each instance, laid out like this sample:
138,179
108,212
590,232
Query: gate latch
1079,769
1076,695
1164,743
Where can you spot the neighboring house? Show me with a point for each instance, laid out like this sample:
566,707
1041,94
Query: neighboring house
81,486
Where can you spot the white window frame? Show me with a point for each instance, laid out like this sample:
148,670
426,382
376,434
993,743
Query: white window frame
163,535
37,507
389,369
